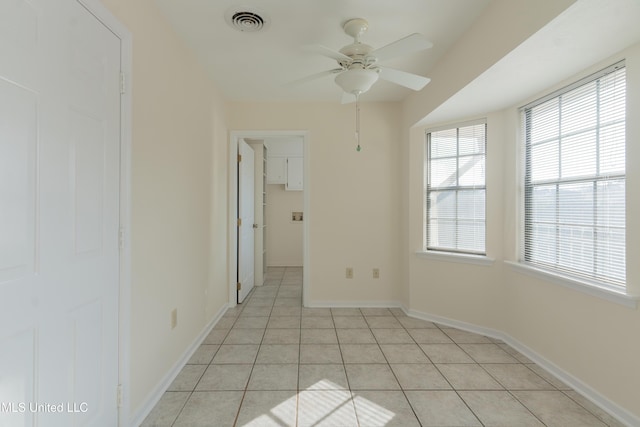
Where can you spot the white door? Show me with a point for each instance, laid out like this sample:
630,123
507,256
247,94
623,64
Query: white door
246,219
59,215
295,174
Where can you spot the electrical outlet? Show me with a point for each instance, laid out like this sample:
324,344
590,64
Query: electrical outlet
349,273
376,273
174,318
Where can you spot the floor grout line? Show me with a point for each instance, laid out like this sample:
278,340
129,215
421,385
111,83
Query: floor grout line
283,288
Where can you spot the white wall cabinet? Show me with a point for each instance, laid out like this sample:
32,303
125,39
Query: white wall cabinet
294,174
276,170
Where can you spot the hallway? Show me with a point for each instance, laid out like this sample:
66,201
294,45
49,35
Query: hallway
271,362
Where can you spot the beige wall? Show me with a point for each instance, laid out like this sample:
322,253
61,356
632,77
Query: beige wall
461,291
217,292
503,25
595,340
179,134
592,339
366,209
284,237
355,203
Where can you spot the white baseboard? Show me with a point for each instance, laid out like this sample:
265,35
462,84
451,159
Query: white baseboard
613,409
353,304
493,333
154,397
588,392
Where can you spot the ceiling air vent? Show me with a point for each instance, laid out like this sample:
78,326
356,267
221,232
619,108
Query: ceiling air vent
246,20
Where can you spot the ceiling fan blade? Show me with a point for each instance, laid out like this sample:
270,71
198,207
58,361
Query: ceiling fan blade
410,44
313,77
402,78
347,98
325,51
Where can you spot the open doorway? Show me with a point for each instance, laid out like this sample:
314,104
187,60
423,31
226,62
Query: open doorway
282,173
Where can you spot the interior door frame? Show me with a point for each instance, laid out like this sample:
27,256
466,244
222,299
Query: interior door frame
232,234
102,14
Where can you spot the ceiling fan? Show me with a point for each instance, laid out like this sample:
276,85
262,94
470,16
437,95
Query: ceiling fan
359,64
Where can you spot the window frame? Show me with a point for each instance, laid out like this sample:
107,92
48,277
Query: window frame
440,252
566,274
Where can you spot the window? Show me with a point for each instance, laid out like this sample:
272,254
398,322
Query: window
574,185
455,189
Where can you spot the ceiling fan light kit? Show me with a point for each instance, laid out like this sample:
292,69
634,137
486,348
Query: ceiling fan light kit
357,81
359,67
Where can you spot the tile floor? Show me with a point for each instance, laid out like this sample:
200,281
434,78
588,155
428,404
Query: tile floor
271,362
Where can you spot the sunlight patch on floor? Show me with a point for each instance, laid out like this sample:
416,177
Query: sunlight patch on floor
372,414
324,403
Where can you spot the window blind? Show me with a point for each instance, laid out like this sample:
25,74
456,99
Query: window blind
574,187
455,189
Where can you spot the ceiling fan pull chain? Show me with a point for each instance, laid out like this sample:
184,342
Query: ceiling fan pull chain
358,148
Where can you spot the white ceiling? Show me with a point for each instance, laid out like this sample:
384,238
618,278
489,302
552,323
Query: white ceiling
588,32
257,66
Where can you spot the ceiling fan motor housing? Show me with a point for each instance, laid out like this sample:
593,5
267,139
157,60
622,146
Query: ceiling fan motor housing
358,53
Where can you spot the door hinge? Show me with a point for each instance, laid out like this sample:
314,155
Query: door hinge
121,238
239,285
122,83
239,222
239,158
119,395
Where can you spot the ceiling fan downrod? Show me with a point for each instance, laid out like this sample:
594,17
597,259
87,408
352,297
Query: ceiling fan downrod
358,148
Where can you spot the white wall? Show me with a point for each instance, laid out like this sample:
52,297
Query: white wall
284,237
355,202
178,165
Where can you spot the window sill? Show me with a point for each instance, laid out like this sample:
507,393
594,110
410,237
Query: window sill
456,257
630,301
